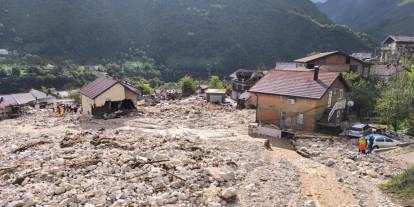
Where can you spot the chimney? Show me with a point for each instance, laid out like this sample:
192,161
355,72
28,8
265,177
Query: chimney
316,73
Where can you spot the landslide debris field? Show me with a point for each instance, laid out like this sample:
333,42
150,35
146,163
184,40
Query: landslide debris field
179,153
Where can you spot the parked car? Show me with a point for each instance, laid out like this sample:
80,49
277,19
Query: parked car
359,130
382,141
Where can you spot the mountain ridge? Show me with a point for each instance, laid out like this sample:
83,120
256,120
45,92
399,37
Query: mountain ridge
378,18
188,35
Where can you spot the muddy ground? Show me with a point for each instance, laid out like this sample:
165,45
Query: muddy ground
179,153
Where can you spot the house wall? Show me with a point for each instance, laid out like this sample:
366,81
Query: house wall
213,97
270,107
337,63
86,105
132,96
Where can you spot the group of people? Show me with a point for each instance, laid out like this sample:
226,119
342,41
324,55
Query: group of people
65,108
365,144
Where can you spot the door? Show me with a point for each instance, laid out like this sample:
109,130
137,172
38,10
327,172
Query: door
283,120
330,99
300,120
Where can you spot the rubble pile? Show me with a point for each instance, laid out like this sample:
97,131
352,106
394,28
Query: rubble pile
195,113
59,162
344,156
360,174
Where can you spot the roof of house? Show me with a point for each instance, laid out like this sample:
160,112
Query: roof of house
7,100
323,55
285,65
398,38
97,87
362,55
23,98
39,94
130,87
296,83
216,91
100,85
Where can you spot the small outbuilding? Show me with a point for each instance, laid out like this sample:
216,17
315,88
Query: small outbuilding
216,96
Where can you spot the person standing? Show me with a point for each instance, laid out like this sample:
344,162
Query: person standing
362,144
371,139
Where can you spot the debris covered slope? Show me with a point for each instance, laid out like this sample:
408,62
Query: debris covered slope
177,154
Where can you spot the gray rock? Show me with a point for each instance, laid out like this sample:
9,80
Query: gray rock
229,193
330,163
227,176
59,190
310,203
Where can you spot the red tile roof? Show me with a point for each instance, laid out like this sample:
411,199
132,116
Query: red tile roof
97,87
295,83
100,85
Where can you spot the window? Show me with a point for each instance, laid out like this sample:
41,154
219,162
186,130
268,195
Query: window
330,98
341,93
353,68
291,101
365,72
380,139
389,140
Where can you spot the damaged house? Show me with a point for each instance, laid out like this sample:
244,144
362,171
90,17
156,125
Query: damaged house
301,99
9,107
108,95
242,80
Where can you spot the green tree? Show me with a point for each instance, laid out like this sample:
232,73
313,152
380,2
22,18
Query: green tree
215,83
395,102
3,73
75,95
144,87
364,93
15,72
188,85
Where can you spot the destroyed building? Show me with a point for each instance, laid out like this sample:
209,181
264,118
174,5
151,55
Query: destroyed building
108,95
300,99
243,80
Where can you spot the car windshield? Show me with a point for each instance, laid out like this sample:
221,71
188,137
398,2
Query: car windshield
356,129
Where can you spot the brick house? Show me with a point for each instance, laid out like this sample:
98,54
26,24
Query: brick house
300,99
335,61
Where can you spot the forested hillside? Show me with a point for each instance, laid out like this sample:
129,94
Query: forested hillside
378,18
186,36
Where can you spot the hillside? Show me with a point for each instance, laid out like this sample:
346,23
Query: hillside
196,37
378,18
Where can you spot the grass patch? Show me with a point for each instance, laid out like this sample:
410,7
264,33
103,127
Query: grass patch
401,187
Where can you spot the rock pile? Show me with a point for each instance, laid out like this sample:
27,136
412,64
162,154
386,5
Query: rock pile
65,162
